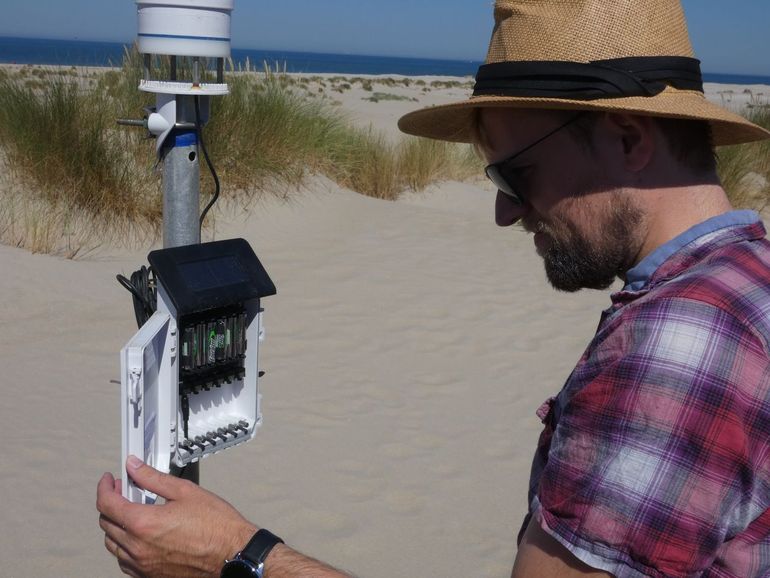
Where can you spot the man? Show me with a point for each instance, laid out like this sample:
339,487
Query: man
655,457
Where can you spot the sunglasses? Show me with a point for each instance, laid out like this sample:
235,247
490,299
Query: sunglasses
503,175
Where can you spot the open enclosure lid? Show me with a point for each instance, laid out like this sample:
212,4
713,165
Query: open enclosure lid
211,275
145,408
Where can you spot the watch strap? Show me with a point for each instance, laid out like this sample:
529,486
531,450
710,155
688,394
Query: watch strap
259,546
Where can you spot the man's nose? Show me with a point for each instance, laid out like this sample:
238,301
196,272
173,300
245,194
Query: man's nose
507,210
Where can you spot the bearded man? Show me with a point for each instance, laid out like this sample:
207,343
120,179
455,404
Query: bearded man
655,455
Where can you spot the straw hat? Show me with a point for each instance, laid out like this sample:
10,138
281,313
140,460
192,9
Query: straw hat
616,55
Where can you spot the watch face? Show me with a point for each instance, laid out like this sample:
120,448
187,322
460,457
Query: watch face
239,568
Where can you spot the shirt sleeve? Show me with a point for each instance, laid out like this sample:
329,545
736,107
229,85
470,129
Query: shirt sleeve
659,454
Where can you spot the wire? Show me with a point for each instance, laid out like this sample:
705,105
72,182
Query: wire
199,134
143,289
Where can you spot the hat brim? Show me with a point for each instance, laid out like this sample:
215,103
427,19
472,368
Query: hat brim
454,122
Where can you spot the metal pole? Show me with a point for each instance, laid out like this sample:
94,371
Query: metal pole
181,206
181,191
147,66
196,71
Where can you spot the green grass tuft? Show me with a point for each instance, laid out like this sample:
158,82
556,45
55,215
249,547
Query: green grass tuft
378,96
745,169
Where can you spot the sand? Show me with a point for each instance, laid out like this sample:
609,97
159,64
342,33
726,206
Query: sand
406,352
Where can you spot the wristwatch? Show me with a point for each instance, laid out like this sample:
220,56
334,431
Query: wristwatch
250,562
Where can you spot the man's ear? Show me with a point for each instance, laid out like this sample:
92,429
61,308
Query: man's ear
632,138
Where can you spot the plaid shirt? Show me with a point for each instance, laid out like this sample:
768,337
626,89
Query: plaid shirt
655,458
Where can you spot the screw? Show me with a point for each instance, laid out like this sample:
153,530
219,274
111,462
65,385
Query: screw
211,439
234,429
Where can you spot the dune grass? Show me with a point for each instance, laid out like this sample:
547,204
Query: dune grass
66,142
424,161
264,132
745,169
60,137
72,168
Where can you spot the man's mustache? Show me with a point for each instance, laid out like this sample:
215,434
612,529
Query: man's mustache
535,225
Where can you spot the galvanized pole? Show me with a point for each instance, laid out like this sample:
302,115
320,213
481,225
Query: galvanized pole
181,210
181,191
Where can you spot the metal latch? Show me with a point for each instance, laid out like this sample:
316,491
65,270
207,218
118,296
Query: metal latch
134,385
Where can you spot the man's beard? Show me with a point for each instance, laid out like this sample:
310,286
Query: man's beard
575,261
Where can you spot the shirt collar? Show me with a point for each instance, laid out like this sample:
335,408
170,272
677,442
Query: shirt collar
638,276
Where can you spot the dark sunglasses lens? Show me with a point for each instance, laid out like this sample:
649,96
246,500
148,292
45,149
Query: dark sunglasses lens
495,174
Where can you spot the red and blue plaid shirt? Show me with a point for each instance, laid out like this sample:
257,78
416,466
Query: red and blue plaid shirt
655,458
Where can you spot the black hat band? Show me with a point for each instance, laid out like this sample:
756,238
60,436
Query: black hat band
614,78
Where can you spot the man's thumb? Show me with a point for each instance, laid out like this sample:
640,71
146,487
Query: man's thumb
148,478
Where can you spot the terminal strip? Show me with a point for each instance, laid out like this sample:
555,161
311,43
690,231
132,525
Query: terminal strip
212,441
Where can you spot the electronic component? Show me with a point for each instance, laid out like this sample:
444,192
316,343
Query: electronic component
190,374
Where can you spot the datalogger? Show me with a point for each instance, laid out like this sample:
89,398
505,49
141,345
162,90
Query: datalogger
189,376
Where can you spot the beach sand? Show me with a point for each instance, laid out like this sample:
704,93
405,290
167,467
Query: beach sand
406,352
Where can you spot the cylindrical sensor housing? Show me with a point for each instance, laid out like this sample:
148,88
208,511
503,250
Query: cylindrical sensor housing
184,27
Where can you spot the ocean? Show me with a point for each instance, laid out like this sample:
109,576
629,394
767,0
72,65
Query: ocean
82,53
86,53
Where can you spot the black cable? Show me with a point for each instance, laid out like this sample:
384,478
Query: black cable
142,288
199,134
185,402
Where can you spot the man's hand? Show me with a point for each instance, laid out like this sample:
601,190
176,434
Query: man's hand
190,535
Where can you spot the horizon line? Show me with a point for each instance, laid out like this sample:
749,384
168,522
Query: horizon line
238,47
241,47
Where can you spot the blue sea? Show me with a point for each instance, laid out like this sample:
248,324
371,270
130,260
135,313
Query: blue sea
86,53
82,53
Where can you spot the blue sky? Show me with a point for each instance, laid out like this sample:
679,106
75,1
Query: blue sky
731,36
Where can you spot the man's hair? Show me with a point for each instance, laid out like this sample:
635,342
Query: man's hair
479,138
689,141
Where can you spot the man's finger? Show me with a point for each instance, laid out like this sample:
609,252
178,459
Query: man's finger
108,501
111,545
149,478
114,547
114,531
126,562
130,571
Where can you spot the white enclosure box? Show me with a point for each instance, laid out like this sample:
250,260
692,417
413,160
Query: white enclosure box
185,27
189,376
